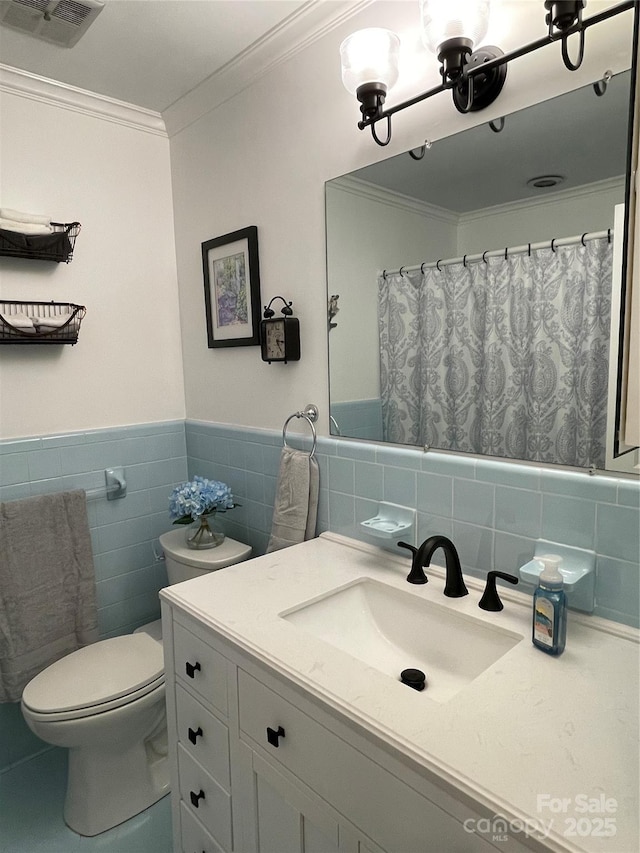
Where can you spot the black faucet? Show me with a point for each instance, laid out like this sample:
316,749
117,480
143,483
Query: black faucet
454,586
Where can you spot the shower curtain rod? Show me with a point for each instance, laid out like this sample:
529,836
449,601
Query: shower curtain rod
497,253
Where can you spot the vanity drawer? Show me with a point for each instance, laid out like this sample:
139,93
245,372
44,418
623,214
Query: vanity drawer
204,798
195,838
200,667
348,780
203,736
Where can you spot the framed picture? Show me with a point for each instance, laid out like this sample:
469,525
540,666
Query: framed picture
232,289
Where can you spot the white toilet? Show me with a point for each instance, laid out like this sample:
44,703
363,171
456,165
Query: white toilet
105,702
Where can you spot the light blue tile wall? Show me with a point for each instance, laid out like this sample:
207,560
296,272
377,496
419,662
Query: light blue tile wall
359,419
123,532
494,511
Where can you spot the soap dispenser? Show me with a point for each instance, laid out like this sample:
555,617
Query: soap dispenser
550,608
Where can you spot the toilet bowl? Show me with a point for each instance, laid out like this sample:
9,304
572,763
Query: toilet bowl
106,704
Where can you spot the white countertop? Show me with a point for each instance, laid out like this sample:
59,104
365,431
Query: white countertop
528,733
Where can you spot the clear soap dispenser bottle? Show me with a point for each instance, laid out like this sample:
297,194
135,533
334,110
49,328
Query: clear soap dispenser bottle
550,608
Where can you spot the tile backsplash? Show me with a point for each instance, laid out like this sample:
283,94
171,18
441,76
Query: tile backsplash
493,511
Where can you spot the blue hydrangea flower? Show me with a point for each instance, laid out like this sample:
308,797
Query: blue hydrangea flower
188,501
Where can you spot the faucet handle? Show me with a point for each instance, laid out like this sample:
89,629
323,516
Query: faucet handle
490,599
416,575
406,545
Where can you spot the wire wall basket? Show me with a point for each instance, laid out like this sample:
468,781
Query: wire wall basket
40,322
57,246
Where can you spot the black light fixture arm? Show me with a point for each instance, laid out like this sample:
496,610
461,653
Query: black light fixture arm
269,312
562,25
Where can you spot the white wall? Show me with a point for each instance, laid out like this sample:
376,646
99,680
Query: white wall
114,178
262,158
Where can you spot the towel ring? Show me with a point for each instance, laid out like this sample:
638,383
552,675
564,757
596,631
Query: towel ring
310,414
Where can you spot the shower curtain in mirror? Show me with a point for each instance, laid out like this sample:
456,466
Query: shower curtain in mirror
504,357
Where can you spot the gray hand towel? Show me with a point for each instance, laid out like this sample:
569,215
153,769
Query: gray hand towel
47,586
296,506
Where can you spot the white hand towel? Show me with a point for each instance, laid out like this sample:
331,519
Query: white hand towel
31,228
296,505
19,321
52,322
19,216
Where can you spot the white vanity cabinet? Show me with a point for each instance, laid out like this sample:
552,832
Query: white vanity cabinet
258,766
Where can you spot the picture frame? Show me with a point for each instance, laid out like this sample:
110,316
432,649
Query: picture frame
232,289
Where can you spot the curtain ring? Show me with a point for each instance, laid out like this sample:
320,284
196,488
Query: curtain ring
608,235
464,261
438,265
553,247
422,267
384,275
582,238
506,252
401,273
529,250
484,258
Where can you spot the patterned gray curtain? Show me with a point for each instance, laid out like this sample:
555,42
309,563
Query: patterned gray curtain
501,357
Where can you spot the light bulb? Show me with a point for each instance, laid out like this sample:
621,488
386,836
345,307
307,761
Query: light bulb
443,20
370,56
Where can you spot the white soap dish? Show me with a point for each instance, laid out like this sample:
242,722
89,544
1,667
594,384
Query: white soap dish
391,522
577,569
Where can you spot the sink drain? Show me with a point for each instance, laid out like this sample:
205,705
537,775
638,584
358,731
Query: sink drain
414,678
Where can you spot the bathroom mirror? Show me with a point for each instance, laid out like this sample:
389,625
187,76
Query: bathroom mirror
474,284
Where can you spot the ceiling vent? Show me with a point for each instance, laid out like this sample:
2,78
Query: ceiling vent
60,22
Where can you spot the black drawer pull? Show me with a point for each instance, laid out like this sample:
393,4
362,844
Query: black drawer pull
191,669
195,798
193,736
273,735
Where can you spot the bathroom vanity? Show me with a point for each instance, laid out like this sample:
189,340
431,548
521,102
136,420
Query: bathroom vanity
290,730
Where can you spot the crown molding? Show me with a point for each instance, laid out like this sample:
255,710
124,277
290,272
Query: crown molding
14,81
583,191
311,22
372,192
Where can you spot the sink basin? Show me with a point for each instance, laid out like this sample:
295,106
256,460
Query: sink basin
392,630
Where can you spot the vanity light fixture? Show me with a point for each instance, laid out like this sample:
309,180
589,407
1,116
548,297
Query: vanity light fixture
451,29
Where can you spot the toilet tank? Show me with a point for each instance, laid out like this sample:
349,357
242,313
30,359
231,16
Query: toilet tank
184,563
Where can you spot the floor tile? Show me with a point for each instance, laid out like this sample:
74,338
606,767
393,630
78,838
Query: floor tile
31,804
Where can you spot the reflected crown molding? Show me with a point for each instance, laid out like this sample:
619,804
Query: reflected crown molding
371,192
14,81
542,201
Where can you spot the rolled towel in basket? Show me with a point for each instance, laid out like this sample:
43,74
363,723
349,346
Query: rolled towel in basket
32,228
19,216
19,321
52,322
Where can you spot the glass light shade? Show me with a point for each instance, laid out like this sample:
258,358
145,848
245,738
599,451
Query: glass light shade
370,56
452,19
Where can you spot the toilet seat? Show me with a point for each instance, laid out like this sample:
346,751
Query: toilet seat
97,678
